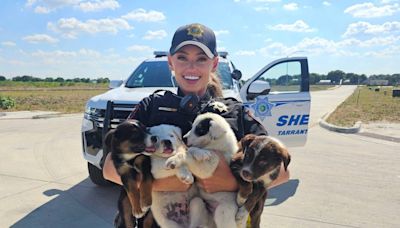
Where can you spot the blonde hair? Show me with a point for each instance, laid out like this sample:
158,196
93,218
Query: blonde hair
214,85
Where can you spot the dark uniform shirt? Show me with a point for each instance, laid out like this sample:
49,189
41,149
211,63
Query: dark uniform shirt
167,109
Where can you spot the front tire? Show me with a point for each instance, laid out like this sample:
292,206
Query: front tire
96,176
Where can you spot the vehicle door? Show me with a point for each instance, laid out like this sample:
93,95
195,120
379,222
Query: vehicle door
278,96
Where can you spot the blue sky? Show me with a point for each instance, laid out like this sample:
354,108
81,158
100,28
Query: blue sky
109,38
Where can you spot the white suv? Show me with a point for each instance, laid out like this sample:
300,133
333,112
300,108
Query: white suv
278,96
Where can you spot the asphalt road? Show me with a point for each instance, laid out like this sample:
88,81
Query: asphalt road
337,180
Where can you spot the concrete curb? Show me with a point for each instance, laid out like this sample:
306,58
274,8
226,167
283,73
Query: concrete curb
347,130
2,114
47,116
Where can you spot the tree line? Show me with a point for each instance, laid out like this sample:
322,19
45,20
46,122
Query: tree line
27,78
338,76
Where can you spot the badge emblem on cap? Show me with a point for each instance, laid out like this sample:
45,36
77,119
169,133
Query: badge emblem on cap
195,30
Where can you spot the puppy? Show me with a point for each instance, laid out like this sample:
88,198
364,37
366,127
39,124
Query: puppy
167,208
128,154
255,166
210,133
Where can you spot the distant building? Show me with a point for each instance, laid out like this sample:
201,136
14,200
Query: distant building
324,82
376,82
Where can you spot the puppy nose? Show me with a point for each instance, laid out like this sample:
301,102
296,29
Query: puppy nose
153,139
167,143
246,174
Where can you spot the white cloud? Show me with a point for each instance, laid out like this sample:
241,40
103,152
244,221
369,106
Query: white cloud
245,53
347,47
326,3
53,54
387,52
263,0
143,15
141,48
47,6
42,10
369,10
366,28
8,44
38,38
71,27
221,32
291,6
151,35
298,26
98,5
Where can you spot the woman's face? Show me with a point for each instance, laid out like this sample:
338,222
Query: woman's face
192,69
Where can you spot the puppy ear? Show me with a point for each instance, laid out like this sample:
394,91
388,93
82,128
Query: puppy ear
246,140
285,157
216,130
108,139
177,131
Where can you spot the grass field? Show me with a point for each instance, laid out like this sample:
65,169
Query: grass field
63,97
367,105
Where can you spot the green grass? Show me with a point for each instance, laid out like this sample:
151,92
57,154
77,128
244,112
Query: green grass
14,85
367,105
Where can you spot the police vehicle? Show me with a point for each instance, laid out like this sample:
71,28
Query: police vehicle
277,96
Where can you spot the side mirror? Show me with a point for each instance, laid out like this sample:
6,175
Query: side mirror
236,74
115,83
258,88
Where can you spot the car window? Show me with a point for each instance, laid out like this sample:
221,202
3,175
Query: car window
151,74
283,76
224,74
157,74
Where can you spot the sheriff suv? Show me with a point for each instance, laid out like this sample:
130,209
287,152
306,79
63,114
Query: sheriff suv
277,96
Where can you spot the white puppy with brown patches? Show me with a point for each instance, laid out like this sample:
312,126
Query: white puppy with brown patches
169,208
210,133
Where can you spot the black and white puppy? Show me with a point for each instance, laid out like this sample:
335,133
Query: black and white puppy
210,133
165,141
255,166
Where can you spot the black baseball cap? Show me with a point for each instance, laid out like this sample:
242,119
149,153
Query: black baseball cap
195,34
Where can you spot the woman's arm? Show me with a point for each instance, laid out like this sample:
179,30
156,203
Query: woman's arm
110,172
172,184
283,177
221,181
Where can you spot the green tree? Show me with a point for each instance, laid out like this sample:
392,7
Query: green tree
2,78
335,76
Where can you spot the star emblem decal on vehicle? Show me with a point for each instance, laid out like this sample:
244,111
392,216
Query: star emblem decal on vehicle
262,107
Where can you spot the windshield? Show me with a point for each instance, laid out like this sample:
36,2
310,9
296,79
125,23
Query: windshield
157,74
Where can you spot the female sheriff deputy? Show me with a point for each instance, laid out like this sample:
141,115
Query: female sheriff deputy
193,59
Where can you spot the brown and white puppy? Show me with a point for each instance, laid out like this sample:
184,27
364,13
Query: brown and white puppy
255,166
127,144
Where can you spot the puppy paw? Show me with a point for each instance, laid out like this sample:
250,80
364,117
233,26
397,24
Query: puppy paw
200,154
187,179
240,200
173,162
241,216
138,213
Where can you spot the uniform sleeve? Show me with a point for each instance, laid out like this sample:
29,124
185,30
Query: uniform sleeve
252,126
142,110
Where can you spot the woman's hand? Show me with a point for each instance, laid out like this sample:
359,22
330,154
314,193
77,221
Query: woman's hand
170,184
222,179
